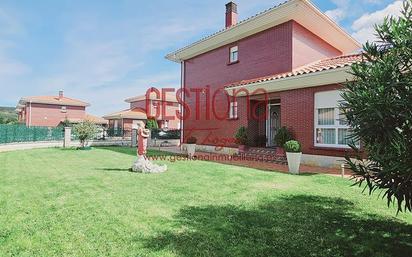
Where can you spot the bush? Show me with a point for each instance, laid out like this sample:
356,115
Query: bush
378,104
241,136
169,134
191,140
85,131
284,135
292,146
152,124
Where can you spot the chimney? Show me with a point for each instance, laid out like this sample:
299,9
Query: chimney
231,14
61,95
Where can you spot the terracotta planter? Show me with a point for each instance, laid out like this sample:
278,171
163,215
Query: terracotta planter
294,162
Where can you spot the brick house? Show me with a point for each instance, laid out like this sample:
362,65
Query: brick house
141,108
51,111
281,67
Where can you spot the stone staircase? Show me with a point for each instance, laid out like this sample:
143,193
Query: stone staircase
269,155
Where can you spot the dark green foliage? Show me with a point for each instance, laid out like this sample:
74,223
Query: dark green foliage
8,115
191,140
170,134
152,124
16,133
292,146
241,136
379,108
284,135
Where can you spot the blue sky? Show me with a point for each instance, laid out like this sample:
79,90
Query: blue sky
105,51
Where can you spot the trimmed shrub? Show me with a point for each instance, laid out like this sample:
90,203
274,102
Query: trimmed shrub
292,146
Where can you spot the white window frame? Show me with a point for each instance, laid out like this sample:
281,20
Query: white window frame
63,109
166,124
233,110
336,126
232,51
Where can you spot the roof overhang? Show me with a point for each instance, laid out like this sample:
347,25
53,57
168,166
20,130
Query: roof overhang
23,101
302,11
327,77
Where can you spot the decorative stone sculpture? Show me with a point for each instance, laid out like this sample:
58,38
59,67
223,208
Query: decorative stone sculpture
143,164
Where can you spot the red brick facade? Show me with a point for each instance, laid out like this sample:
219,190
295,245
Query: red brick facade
48,115
276,50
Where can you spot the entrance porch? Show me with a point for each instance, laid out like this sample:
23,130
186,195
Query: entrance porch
264,122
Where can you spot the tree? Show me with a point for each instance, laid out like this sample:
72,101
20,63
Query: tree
85,131
152,124
378,106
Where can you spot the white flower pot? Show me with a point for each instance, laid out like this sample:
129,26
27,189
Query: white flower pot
191,149
294,162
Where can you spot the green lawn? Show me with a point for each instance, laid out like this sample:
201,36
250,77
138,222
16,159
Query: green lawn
56,202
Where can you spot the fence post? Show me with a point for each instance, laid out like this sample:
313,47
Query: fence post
67,137
134,137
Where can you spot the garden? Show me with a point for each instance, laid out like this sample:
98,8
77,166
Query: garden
64,202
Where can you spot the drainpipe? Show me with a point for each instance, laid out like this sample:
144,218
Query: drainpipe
182,82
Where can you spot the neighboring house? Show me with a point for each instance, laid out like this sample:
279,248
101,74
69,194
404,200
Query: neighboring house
294,55
51,111
138,111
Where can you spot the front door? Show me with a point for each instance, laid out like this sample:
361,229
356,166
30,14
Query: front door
273,124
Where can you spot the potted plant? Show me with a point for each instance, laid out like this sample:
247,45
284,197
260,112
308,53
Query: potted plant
284,135
294,155
242,139
191,146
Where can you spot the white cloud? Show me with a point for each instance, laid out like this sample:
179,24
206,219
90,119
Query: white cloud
364,26
336,14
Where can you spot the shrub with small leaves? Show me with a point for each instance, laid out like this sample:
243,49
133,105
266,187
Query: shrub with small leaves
378,107
241,136
292,146
85,131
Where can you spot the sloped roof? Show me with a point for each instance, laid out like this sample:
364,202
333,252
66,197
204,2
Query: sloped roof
318,66
54,100
302,11
95,119
135,113
88,117
170,97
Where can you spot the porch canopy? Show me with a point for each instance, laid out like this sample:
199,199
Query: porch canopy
324,72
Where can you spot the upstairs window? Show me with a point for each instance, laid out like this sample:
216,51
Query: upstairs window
234,54
64,109
233,110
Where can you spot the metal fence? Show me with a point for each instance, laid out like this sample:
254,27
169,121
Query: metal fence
21,133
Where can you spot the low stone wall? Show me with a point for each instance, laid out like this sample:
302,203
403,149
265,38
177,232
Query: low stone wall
214,149
49,144
164,142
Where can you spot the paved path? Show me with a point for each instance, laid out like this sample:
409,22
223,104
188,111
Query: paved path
257,164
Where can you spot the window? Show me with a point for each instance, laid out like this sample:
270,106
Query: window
166,124
331,128
233,110
64,109
234,54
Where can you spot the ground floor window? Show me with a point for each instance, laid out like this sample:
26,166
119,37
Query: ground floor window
331,128
233,110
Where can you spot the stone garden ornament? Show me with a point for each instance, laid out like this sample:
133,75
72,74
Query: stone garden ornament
143,164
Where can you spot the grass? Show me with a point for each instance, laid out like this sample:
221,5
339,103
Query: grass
56,202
